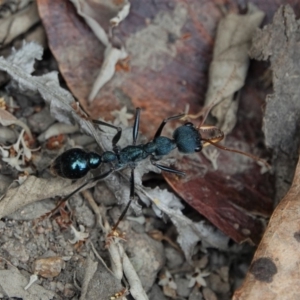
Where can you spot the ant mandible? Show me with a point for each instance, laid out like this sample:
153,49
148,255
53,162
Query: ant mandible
76,163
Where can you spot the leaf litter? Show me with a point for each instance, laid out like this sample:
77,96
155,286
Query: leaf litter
60,106
162,201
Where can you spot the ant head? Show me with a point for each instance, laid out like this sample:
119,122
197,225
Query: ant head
187,138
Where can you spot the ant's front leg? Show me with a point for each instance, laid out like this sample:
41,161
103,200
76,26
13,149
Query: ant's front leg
164,122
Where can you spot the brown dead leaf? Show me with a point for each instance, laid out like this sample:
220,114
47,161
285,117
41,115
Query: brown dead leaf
155,40
7,119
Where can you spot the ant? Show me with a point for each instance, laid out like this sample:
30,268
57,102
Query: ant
76,163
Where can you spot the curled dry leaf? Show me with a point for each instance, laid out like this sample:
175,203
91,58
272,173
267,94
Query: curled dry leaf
111,56
90,270
189,232
18,23
120,264
7,119
102,30
57,129
136,288
229,67
122,14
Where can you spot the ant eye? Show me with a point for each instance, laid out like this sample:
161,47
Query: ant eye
189,124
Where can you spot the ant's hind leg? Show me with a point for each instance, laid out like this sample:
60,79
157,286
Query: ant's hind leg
131,197
65,199
164,122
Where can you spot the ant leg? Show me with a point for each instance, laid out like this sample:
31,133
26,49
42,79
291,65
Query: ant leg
117,137
164,122
129,202
119,129
209,141
167,169
136,125
214,141
91,180
79,109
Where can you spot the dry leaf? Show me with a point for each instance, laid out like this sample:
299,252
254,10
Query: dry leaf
189,232
18,23
7,119
229,67
112,54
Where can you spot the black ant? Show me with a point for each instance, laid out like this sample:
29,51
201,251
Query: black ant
76,163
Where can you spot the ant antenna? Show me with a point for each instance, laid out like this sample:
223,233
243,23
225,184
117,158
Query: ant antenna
214,141
218,99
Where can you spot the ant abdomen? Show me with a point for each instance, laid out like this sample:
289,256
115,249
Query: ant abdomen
75,163
187,138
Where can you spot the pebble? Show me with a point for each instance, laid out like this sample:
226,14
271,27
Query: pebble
208,294
156,293
147,257
174,258
48,267
16,250
41,120
196,294
183,289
